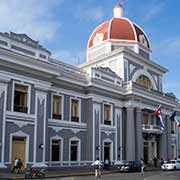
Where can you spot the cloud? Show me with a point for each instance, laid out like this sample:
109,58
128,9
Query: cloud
89,14
168,47
35,18
154,9
74,57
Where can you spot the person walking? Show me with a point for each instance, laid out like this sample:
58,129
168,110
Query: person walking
15,167
97,165
155,161
142,167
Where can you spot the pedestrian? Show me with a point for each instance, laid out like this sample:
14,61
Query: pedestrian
142,167
162,162
15,167
97,165
19,165
106,163
155,161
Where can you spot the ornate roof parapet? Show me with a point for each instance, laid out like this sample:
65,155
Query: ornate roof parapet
106,74
23,44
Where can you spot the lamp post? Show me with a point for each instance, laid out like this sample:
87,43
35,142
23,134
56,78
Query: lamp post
97,151
120,149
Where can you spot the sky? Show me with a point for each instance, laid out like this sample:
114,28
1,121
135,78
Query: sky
64,27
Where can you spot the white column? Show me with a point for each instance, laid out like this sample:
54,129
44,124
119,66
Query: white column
3,93
40,100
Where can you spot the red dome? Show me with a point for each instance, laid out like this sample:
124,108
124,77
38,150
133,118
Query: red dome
118,29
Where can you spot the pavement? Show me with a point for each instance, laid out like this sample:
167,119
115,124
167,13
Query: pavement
66,172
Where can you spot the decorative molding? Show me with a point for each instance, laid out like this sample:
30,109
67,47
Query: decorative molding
20,124
56,128
66,123
131,68
107,132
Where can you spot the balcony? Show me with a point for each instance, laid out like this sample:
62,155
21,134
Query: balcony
18,108
147,128
107,122
74,119
56,116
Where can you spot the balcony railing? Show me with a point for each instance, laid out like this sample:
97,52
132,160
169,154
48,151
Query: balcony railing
74,119
18,108
151,128
56,116
107,122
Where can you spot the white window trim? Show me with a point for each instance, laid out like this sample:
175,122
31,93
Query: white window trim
111,105
79,149
29,96
79,105
62,105
19,134
61,148
145,73
111,149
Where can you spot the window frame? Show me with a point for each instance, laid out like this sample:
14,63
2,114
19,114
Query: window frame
28,96
78,150
61,149
111,108
79,108
62,105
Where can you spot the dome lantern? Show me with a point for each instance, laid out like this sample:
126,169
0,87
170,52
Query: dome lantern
118,11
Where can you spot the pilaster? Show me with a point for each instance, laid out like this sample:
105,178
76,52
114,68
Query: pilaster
139,139
3,101
130,134
96,141
163,141
40,129
168,136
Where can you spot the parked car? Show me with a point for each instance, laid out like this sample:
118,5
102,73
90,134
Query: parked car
119,164
171,165
131,166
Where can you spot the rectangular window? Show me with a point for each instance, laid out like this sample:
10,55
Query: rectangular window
145,118
107,114
55,150
20,98
75,110
57,107
74,150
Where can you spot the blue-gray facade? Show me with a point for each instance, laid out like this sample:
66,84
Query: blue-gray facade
131,132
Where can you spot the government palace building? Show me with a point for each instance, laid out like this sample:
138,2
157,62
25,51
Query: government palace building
53,114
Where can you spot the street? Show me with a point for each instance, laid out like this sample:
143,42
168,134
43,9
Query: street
155,175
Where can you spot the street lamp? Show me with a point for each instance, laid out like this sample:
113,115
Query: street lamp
98,150
120,149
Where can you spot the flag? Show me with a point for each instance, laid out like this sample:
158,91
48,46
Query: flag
172,118
159,117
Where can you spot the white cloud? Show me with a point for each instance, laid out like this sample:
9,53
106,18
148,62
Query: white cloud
89,14
33,17
71,57
168,47
154,9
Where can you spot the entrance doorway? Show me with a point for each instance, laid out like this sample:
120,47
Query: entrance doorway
107,151
19,149
146,152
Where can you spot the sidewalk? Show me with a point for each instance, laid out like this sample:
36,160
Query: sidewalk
66,172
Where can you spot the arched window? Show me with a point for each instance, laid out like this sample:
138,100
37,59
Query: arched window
144,81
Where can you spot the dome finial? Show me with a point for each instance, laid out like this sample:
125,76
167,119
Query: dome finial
118,10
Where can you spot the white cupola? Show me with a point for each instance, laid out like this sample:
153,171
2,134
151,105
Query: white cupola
118,10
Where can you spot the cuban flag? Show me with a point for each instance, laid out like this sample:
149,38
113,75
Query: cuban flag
172,118
159,117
